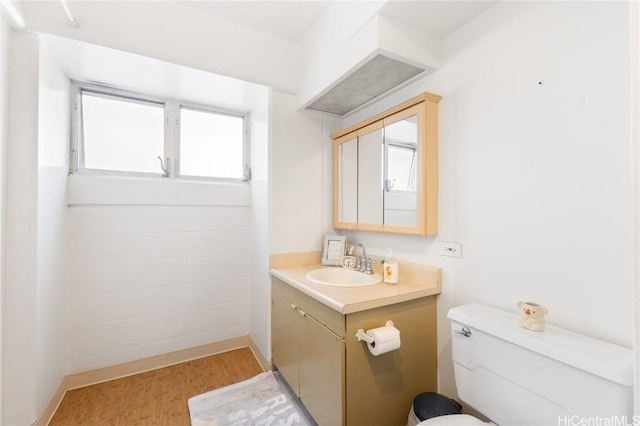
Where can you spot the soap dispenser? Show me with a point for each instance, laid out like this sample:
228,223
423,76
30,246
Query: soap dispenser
390,268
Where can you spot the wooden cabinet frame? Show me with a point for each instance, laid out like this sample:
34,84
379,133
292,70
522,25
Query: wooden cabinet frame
425,107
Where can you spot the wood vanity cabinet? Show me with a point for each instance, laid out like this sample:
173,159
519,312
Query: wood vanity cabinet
308,349
334,375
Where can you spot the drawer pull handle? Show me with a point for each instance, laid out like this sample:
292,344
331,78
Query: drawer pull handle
293,306
302,313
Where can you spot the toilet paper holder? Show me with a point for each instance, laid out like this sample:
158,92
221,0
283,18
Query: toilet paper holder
361,335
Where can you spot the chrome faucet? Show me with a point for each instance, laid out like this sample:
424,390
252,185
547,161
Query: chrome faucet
363,263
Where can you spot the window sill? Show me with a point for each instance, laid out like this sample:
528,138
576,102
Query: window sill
117,190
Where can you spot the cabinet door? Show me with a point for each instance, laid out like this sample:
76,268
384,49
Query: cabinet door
370,200
322,354
285,329
411,172
345,180
402,162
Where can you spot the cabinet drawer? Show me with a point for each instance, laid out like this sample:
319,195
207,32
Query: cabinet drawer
330,318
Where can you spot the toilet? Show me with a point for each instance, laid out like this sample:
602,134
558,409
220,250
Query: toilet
516,376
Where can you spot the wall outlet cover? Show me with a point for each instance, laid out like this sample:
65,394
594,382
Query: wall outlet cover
451,249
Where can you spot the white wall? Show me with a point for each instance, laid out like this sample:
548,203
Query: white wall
336,43
52,229
300,183
259,262
635,119
4,122
20,286
36,233
535,179
299,154
155,277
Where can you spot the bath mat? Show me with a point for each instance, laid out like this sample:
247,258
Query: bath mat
261,400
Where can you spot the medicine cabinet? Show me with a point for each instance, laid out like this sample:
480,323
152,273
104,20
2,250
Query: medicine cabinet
386,170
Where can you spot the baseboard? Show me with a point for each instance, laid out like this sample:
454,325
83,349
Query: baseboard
264,363
51,409
92,377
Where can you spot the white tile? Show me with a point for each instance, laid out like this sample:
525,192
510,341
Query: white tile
150,280
114,220
107,190
97,250
225,242
205,318
85,280
127,304
81,363
94,338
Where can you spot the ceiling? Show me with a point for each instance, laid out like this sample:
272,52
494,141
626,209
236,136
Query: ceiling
435,18
290,19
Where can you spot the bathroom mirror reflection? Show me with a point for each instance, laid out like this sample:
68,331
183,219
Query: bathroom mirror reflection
400,163
370,177
347,181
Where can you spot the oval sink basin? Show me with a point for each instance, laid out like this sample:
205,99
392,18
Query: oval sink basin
342,277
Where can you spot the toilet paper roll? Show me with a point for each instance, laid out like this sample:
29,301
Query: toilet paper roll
385,339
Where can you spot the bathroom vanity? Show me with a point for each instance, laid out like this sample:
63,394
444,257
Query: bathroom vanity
338,380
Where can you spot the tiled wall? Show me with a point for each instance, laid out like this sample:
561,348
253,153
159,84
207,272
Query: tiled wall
146,280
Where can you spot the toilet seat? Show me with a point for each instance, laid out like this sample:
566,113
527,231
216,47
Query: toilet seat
452,420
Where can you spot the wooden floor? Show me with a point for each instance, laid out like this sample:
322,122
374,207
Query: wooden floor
157,397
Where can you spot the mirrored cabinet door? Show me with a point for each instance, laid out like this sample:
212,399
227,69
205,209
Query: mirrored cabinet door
370,177
400,169
345,179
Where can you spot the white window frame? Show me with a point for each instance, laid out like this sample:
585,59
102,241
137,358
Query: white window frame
171,157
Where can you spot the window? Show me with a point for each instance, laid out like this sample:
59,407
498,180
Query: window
120,132
208,144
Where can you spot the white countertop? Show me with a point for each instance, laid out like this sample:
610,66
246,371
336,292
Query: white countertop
347,300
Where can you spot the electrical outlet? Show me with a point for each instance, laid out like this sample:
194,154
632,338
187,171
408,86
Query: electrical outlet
451,249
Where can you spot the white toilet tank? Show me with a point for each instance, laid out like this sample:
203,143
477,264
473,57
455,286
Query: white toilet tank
516,376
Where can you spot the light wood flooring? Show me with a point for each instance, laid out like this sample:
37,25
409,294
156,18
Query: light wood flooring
157,397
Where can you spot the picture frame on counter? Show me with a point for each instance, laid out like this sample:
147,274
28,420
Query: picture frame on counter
334,246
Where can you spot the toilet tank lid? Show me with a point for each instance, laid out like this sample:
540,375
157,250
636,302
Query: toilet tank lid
603,359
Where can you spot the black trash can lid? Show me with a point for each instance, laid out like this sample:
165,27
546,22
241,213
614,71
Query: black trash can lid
431,404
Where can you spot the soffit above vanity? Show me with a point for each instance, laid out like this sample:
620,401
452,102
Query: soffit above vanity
375,77
398,44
